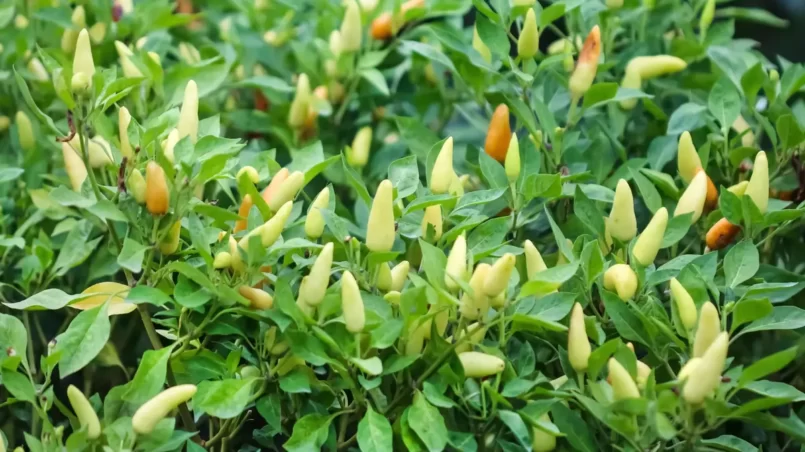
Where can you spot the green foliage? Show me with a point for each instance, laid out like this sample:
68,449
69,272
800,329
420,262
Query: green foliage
279,350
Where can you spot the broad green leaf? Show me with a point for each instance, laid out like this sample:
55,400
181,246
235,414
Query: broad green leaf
741,263
150,376
374,432
428,423
223,399
83,339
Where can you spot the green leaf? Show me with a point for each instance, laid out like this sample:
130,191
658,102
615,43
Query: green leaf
767,365
433,263
493,35
146,294
588,213
428,423
626,322
83,339
387,335
599,93
463,442
729,443
376,79
150,376
741,263
488,237
782,318
749,310
223,399
573,425
516,425
309,433
493,172
371,366
724,103
688,117
132,255
417,136
648,191
428,51
757,15
270,408
677,227
404,175
479,197
76,249
549,280
13,337
51,299
374,432
26,95
19,386
789,131
775,389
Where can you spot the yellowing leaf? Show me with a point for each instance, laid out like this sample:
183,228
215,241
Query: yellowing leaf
115,292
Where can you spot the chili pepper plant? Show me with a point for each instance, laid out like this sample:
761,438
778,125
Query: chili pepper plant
381,225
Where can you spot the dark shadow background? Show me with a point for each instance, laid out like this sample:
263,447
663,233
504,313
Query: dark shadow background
787,42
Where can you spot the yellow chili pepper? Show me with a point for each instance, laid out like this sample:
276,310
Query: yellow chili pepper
170,243
74,166
319,277
301,102
480,365
287,191
475,305
156,189
352,303
443,173
136,186
188,116
578,346
129,68
622,220
258,299
222,260
86,415
648,244
498,278
149,414
709,328
456,263
528,42
380,228
739,189
351,28
358,154
758,188
533,260
25,131
647,67
623,386
314,222
685,307
542,441
693,198
621,279
82,60
398,275
479,45
587,65
706,375
123,121
512,162
433,218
